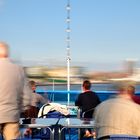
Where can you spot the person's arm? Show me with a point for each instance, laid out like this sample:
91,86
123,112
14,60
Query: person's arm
42,99
98,99
78,101
27,94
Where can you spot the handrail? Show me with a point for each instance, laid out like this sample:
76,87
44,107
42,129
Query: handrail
119,136
79,91
55,95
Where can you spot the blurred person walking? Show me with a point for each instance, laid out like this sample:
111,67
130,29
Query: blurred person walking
118,115
15,94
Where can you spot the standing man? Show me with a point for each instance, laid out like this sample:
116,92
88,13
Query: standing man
15,95
87,100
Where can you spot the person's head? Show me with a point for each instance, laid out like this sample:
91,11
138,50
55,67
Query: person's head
131,90
86,85
4,52
33,85
127,90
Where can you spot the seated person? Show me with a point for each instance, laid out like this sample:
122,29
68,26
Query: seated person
36,99
32,112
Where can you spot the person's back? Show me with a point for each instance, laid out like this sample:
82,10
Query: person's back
87,100
10,76
118,115
38,100
13,91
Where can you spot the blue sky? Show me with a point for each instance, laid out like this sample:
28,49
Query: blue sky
104,33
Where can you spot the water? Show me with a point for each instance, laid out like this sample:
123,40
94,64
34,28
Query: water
58,93
77,87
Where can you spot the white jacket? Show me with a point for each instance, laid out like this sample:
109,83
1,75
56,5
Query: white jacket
53,107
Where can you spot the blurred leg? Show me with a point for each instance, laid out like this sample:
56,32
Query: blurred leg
11,131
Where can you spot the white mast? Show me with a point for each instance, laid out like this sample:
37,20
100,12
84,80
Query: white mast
68,8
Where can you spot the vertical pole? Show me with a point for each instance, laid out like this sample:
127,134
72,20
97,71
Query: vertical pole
68,8
68,77
53,84
53,89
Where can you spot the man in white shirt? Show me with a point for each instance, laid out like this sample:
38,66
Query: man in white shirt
119,115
